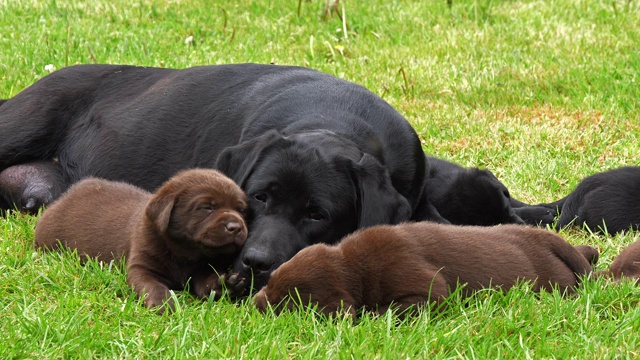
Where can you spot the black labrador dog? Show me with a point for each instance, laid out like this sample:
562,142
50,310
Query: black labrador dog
608,200
473,196
319,157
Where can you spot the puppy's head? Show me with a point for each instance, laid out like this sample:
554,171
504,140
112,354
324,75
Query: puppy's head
200,212
485,200
316,277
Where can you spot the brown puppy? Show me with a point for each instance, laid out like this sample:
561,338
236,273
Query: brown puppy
191,227
627,264
419,263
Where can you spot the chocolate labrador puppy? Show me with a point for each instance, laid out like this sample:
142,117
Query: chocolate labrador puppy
185,233
420,263
318,157
627,263
609,200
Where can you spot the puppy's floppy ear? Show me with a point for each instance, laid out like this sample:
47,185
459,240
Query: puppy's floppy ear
238,161
378,202
159,209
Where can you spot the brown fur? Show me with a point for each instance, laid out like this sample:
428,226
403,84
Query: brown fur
191,227
627,263
420,263
592,255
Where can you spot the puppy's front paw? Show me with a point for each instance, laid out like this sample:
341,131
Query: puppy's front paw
234,283
204,286
536,215
160,302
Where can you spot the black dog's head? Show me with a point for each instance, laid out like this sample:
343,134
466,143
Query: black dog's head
304,189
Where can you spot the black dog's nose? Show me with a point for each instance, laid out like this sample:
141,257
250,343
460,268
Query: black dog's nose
257,260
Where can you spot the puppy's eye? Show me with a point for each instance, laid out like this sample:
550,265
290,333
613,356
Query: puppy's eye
315,214
207,207
262,197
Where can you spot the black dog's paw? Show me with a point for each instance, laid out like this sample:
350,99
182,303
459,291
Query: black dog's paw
536,215
234,283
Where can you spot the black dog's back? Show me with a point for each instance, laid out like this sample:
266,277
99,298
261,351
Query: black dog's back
55,103
608,200
110,106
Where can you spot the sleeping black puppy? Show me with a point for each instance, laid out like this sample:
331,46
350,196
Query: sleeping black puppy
318,157
471,196
608,200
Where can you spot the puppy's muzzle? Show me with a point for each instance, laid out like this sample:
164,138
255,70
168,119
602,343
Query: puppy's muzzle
234,228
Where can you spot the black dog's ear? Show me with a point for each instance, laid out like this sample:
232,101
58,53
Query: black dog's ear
159,209
378,202
238,161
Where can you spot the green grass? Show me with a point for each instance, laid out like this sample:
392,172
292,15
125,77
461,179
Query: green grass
541,92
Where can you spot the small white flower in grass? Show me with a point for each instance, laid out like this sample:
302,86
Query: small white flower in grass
49,67
188,40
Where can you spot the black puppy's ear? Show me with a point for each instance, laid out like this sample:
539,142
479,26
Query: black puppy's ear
378,202
238,161
159,210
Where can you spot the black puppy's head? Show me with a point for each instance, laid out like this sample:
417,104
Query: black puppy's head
305,189
483,200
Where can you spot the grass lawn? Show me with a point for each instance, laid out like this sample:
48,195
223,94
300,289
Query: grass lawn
542,93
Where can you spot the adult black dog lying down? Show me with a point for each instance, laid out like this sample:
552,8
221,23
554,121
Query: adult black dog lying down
318,157
473,196
608,200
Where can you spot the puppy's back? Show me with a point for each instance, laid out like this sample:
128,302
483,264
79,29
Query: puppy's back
555,260
501,254
95,216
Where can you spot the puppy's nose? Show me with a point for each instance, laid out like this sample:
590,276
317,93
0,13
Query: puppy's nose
257,260
233,227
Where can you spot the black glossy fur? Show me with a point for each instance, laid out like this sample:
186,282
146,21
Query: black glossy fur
609,199
471,196
318,157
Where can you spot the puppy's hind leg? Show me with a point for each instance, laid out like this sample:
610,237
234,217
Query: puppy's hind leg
432,290
592,255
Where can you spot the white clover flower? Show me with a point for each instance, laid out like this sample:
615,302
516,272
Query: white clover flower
49,67
188,40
